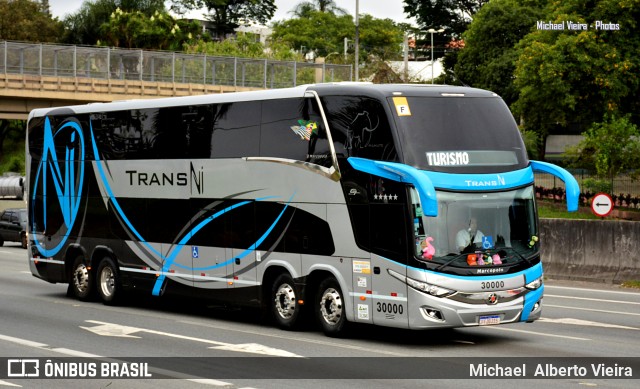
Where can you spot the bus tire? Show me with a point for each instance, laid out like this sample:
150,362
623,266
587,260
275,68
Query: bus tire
108,282
284,302
330,308
81,280
23,240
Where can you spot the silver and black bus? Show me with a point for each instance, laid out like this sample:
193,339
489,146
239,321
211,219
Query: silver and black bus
407,206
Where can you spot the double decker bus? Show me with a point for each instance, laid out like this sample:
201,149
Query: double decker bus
409,206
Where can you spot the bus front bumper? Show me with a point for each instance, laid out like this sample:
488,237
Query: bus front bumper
436,312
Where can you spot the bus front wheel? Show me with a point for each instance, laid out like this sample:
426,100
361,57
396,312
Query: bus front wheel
330,309
108,282
284,302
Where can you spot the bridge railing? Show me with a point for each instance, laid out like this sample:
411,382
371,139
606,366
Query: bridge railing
145,65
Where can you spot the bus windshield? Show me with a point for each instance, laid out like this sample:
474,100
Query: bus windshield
460,135
477,228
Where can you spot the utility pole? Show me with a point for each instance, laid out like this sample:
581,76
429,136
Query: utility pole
432,31
406,57
357,37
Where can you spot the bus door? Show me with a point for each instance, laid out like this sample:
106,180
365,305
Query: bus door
389,244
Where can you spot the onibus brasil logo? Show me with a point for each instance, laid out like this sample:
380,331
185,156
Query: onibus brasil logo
57,185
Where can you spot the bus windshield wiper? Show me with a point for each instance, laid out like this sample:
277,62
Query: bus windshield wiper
517,253
450,261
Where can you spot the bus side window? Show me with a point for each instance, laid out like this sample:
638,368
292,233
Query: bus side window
360,128
236,130
293,129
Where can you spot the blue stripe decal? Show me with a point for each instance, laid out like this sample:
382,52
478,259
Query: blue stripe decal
157,287
65,186
481,182
246,252
113,198
401,173
529,301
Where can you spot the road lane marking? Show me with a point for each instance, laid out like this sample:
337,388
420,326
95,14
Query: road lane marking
107,329
547,286
23,342
297,338
5,383
592,310
536,333
117,331
592,299
588,323
207,381
74,353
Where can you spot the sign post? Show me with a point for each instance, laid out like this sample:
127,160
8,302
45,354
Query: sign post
602,204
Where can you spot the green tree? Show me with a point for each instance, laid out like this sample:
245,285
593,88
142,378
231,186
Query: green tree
381,38
85,26
136,30
28,20
609,148
226,15
324,33
305,7
569,79
319,31
243,46
452,15
488,59
11,146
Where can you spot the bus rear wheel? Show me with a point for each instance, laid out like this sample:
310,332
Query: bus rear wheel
108,282
81,280
330,309
284,302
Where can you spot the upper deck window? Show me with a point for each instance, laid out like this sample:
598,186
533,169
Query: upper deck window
360,127
459,135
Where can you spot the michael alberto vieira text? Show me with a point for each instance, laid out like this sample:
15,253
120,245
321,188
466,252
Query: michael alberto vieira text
549,370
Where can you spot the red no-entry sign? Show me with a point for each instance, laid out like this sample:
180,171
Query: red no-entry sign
602,204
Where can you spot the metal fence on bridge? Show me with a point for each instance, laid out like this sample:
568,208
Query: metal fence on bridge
145,65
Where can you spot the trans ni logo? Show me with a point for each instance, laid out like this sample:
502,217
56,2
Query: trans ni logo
57,185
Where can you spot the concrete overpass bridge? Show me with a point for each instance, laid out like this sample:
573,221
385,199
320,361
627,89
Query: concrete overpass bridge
48,75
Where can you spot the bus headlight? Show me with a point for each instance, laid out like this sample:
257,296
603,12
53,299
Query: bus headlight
535,284
421,286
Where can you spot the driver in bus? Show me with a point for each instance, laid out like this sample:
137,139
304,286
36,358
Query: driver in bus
470,237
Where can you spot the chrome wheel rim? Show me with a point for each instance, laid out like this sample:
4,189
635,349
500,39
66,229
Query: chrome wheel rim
81,278
107,281
331,306
285,301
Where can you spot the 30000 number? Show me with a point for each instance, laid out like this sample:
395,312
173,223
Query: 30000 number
492,285
390,308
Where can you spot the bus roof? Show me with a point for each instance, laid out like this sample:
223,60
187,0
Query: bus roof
390,90
327,89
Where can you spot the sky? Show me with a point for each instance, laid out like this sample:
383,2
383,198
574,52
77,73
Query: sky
381,9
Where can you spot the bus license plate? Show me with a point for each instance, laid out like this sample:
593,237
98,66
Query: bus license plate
489,320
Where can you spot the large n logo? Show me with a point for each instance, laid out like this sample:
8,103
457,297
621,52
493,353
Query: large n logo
57,186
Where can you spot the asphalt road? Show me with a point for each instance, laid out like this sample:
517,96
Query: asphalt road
584,323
